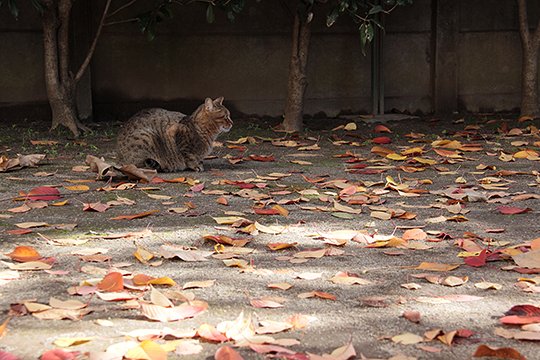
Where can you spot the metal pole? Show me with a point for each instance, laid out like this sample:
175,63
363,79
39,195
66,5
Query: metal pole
377,71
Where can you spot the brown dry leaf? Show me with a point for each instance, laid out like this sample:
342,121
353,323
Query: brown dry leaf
97,206
181,312
281,246
198,284
28,266
412,316
31,224
66,304
319,294
346,278
268,303
454,281
436,266
135,216
488,285
414,234
530,260
159,299
345,352
281,286
407,339
502,353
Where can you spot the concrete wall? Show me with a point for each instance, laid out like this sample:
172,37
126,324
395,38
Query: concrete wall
247,62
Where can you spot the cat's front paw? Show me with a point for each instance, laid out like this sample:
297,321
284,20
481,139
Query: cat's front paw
196,167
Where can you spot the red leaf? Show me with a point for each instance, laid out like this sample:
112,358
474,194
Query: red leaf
7,356
19,232
112,282
227,353
381,129
262,211
44,193
382,140
512,210
519,320
197,188
524,310
477,261
59,354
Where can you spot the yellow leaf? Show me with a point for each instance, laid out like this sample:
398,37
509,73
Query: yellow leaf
66,342
60,203
396,157
350,127
425,161
147,350
162,281
282,211
77,187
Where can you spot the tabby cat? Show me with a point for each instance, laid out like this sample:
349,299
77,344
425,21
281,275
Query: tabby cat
170,141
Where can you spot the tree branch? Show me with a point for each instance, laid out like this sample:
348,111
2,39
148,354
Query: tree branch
90,53
126,5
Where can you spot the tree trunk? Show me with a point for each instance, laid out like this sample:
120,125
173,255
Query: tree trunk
297,83
529,71
58,81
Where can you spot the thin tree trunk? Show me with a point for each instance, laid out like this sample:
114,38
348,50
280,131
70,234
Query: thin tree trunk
529,72
297,83
60,93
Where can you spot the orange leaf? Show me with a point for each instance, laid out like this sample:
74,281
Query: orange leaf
135,216
501,353
227,353
112,282
222,201
535,244
414,234
24,254
142,279
281,246
381,129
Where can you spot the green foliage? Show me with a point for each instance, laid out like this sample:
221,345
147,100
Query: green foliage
14,8
365,14
150,19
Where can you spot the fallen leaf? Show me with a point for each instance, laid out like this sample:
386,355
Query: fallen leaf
227,353
501,353
135,216
112,282
24,254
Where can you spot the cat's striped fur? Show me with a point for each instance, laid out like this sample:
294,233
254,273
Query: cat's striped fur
170,141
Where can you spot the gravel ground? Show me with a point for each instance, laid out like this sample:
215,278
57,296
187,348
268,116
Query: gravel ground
367,316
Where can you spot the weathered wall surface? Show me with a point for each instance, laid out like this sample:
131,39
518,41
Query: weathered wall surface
247,61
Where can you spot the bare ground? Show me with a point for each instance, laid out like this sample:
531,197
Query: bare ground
366,316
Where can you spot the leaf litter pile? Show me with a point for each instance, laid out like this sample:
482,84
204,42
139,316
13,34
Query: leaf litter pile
362,241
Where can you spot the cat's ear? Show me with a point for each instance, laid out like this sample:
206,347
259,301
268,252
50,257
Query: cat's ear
208,104
219,101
